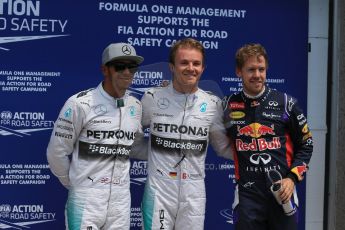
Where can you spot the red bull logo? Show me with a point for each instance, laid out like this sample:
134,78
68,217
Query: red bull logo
307,136
255,130
258,144
300,170
305,129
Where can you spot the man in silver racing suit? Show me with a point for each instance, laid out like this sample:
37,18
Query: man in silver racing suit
97,127
182,119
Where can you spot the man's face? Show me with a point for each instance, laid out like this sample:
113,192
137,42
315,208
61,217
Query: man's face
187,69
253,74
119,76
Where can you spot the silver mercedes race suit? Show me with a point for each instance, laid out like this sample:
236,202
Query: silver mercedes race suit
99,135
181,126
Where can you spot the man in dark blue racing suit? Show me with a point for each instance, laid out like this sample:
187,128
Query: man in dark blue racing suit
269,132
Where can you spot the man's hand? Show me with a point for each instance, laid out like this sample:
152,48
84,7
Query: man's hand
287,188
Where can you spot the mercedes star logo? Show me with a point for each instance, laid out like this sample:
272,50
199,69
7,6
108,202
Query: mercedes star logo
163,103
100,109
126,50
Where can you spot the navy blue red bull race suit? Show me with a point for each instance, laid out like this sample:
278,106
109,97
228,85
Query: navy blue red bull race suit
268,132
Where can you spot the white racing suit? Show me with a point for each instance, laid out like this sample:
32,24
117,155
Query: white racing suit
181,126
99,135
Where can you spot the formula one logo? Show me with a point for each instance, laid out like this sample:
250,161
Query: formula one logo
23,216
22,123
24,17
255,130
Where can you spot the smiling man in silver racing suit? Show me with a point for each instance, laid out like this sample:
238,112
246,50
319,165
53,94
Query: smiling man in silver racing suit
98,127
182,119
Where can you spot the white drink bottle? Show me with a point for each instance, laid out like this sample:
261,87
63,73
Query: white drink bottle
288,207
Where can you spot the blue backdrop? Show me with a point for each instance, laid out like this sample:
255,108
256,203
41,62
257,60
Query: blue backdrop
51,50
